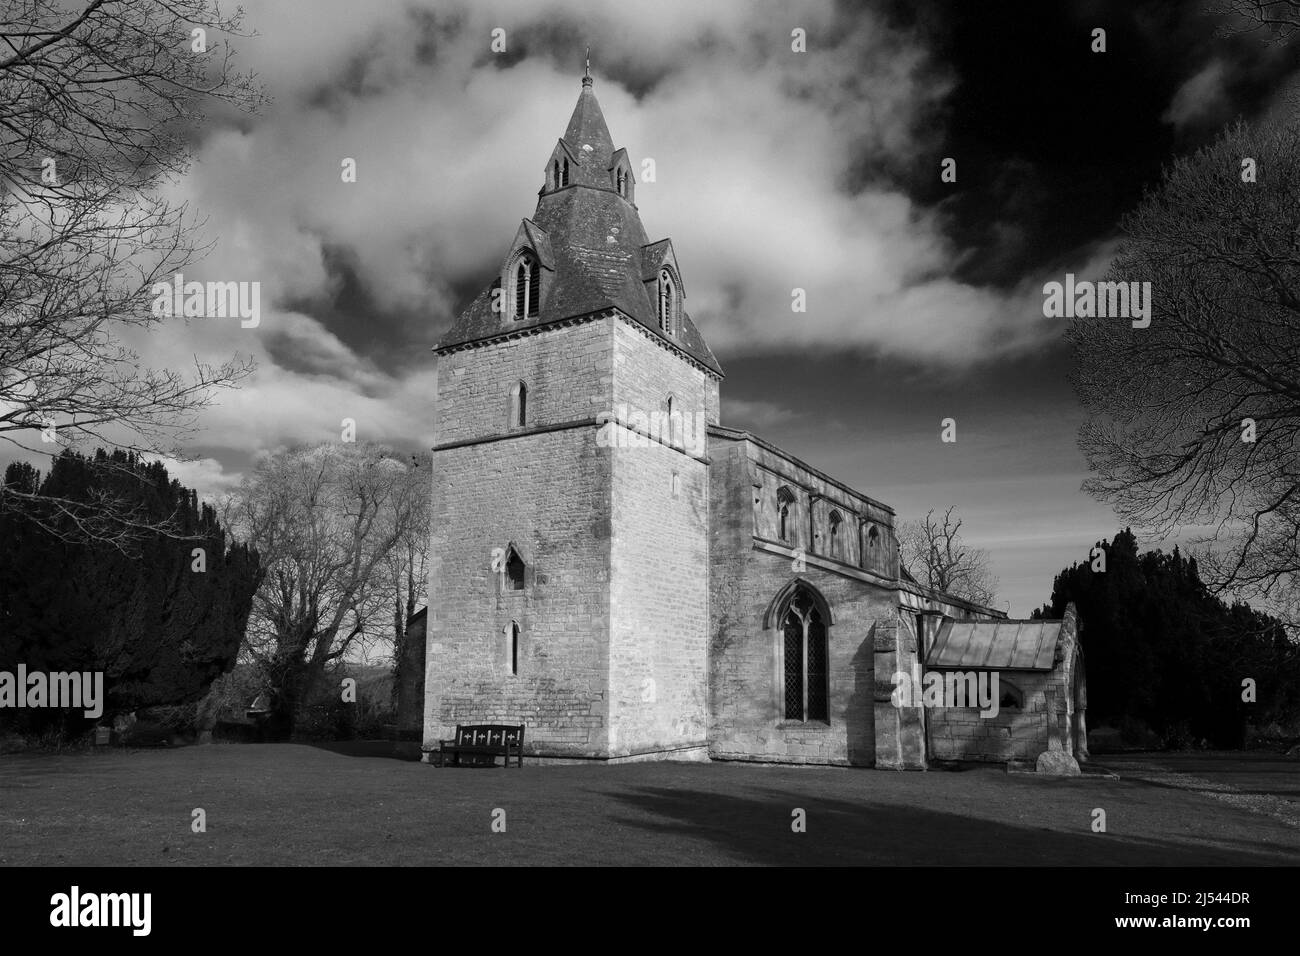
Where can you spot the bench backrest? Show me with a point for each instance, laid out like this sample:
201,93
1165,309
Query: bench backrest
490,735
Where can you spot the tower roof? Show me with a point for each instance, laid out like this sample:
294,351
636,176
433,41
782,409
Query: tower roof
587,128
592,248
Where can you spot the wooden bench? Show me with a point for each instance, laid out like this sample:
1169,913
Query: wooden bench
484,740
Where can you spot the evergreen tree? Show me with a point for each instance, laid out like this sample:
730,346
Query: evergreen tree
161,614
1163,649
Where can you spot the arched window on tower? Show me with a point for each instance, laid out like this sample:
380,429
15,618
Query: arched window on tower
564,176
555,174
528,287
784,499
667,301
837,540
514,570
518,405
804,644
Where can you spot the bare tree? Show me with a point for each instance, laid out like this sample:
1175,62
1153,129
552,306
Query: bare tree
935,554
326,522
1195,420
98,104
1279,20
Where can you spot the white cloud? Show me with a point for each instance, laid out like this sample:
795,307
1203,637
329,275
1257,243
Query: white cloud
755,149
207,476
1201,98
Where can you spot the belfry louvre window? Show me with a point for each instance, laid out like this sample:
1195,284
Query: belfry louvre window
564,177
667,301
804,634
528,287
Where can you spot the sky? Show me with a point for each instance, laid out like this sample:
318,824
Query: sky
775,170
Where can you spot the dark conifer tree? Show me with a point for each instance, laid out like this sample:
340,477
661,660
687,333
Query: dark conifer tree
162,614
1164,650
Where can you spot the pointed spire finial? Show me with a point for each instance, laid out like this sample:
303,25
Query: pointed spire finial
586,75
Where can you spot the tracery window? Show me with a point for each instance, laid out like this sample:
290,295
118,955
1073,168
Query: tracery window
803,629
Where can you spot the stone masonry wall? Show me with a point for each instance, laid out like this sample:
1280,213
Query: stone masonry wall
548,494
962,734
545,494
646,372
568,371
659,560
747,682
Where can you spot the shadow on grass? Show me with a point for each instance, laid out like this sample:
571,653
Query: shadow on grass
390,749
841,833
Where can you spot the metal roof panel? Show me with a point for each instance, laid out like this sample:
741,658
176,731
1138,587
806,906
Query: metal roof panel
995,645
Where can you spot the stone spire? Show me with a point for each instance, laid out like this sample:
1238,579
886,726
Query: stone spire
587,128
590,245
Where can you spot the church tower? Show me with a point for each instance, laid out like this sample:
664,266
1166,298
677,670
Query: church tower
569,576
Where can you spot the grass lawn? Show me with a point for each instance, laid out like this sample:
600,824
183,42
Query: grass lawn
283,804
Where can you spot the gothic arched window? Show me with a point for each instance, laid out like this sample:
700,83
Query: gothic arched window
514,570
836,540
528,287
667,301
805,652
872,551
564,177
784,499
555,174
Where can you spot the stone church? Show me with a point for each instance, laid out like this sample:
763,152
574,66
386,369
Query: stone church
631,579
